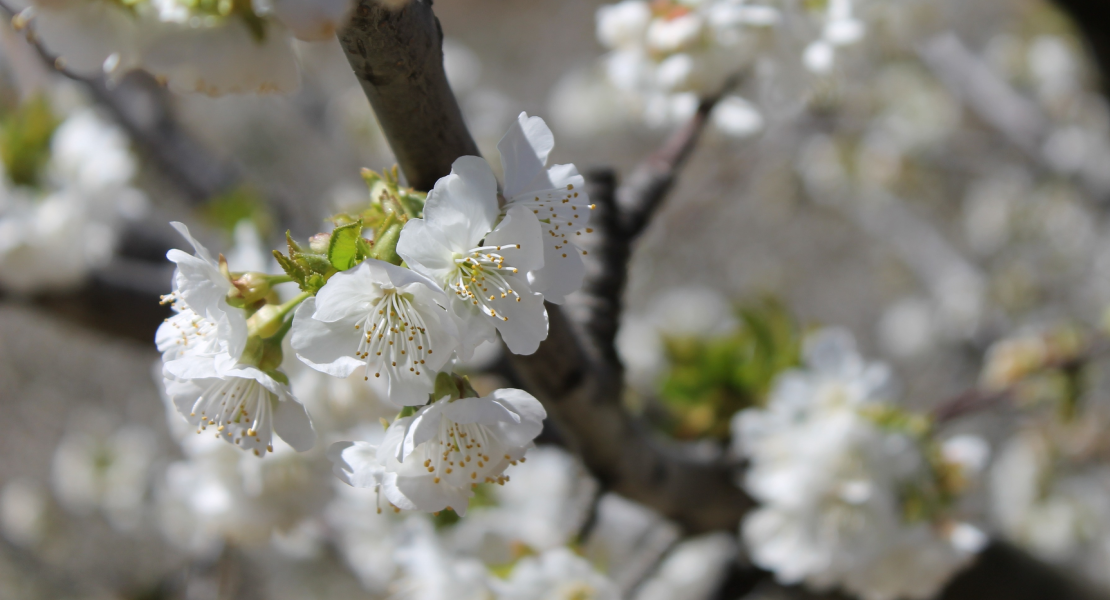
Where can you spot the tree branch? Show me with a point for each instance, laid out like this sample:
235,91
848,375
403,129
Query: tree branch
397,56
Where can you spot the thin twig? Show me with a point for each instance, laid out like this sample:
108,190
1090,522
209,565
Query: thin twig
979,399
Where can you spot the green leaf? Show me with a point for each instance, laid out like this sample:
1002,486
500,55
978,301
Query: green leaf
25,140
343,250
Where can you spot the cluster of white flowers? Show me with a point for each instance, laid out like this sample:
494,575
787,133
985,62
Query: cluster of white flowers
209,47
665,56
472,270
1051,499
55,230
849,495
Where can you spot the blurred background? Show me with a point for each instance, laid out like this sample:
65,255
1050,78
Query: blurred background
940,188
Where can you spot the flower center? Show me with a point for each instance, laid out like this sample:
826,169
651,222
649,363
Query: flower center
482,278
558,210
465,454
394,335
240,410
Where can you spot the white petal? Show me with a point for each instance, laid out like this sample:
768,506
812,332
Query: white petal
355,463
85,34
223,59
292,424
524,151
191,367
527,324
478,410
326,347
349,294
463,205
421,246
531,412
519,227
562,272
474,329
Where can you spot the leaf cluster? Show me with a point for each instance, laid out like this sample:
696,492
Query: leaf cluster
711,378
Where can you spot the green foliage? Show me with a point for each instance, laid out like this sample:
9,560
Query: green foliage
344,249
390,206
226,210
25,140
710,379
310,270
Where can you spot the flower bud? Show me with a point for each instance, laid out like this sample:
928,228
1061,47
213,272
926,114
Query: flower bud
267,321
250,287
319,243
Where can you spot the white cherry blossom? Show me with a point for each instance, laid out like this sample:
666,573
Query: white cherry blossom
383,318
186,334
203,288
557,574
240,403
557,196
482,264
832,483
431,460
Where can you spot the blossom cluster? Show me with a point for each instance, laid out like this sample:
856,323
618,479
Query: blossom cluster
665,56
65,192
853,491
209,47
440,276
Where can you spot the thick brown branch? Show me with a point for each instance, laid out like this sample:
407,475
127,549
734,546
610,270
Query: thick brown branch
620,217
398,58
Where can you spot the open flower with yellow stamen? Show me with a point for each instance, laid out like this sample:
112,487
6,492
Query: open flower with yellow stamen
557,196
432,460
483,268
237,402
382,317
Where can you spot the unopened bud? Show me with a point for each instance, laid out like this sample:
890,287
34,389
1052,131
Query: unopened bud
319,243
249,288
267,321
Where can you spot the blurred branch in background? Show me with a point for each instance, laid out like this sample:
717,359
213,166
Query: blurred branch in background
993,100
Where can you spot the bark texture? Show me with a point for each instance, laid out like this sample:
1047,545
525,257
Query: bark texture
398,58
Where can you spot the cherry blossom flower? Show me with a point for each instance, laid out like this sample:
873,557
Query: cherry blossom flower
482,264
557,196
242,404
431,460
833,484
382,317
557,574
202,287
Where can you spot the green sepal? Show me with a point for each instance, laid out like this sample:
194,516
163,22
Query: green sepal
278,376
385,247
407,411
445,387
344,250
308,269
